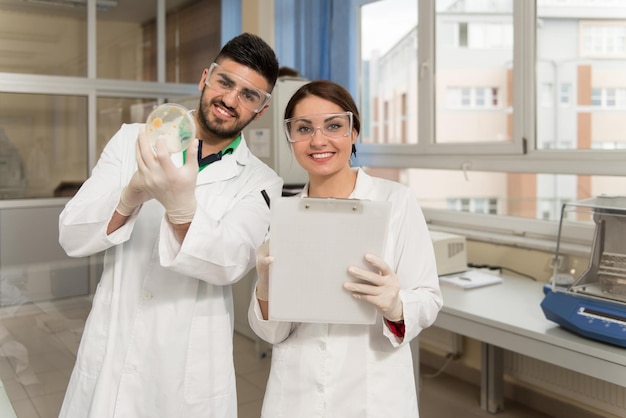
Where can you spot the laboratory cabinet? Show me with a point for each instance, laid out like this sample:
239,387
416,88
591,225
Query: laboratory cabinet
266,136
33,266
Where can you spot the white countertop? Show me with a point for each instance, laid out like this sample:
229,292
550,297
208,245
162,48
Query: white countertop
509,315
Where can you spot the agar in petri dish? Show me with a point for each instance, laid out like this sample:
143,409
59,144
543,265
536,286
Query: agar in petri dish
171,124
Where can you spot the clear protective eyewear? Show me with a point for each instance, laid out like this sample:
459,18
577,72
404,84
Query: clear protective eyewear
332,125
223,81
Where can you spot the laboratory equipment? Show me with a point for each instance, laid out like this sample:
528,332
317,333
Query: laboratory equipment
591,303
173,125
450,252
266,136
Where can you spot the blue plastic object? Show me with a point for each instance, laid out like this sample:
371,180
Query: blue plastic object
596,319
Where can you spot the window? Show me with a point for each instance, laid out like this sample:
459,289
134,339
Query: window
56,42
482,70
49,81
484,35
56,45
42,144
565,94
547,96
69,77
113,111
473,205
606,38
188,27
609,97
596,96
472,97
480,98
389,66
520,106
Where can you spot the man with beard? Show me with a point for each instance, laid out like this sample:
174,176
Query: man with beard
178,230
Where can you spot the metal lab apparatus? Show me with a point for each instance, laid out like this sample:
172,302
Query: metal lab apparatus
592,303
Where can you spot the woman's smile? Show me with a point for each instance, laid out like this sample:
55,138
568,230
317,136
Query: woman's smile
321,156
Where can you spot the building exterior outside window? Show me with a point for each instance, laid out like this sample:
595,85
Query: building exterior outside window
580,96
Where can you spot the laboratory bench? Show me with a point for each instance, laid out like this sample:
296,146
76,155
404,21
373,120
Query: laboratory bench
508,316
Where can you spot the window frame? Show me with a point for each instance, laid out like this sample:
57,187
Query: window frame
518,156
94,88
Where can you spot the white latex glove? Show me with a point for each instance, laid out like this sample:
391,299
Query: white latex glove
174,187
382,289
263,261
132,196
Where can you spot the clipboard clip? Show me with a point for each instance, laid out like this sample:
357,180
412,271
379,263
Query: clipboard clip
315,204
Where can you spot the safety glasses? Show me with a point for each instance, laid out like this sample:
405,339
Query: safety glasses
223,81
332,125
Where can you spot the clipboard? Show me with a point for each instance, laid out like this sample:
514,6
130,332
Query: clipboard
313,242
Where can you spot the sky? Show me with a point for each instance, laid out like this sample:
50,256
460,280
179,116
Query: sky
385,22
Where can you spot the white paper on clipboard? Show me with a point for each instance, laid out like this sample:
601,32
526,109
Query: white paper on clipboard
313,242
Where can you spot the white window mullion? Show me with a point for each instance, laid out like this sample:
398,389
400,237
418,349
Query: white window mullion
426,75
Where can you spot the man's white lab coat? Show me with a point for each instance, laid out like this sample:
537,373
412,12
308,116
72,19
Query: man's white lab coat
158,340
358,371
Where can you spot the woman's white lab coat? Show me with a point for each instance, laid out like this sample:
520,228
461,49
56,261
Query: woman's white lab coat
358,371
158,339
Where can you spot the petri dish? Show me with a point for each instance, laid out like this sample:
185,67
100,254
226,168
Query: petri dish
171,124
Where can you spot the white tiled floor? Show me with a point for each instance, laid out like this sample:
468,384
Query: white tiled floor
38,343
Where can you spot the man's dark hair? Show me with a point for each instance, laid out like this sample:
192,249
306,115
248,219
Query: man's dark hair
252,51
